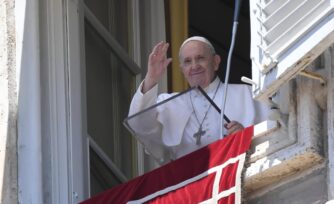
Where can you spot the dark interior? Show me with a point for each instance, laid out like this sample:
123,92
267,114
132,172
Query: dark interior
213,19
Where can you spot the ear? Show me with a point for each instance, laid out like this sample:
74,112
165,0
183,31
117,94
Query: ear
216,60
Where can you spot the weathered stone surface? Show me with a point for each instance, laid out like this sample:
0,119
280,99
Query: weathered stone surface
8,104
294,148
308,189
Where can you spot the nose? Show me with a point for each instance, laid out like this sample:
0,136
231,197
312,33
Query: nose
194,64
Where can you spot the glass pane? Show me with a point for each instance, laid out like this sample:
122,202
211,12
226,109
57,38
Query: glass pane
109,87
120,25
147,128
115,17
100,10
101,178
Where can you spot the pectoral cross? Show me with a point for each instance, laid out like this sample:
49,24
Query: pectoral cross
198,135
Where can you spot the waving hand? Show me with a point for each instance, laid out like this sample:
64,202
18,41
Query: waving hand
157,65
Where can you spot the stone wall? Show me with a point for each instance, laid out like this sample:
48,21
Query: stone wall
8,104
294,164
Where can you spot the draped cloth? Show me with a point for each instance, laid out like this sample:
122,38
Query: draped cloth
211,174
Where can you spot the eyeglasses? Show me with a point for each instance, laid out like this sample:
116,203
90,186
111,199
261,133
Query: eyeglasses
198,60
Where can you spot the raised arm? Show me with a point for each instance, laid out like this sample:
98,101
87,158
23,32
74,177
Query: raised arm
157,65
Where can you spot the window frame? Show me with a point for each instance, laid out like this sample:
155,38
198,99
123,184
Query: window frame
270,76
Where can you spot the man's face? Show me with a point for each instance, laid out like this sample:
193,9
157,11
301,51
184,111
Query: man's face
198,63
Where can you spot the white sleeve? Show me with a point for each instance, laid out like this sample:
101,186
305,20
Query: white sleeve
145,127
141,101
262,111
241,106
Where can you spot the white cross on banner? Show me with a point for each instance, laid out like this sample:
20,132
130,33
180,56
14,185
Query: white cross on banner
209,175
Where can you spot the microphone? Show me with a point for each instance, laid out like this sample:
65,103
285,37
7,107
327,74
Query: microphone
229,58
237,6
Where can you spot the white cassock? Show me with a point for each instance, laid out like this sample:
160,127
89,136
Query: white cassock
168,133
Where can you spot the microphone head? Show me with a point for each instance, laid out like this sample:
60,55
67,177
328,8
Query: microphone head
237,5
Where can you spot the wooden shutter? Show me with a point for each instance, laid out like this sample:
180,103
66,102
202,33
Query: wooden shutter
286,36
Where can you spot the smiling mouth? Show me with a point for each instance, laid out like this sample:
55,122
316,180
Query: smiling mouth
196,73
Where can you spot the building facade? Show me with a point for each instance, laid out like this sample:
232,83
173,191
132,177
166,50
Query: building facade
69,69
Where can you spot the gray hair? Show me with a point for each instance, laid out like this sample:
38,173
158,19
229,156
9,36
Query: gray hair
201,39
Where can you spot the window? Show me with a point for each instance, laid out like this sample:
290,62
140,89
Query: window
110,82
286,36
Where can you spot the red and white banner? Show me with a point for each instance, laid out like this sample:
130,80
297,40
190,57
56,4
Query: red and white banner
209,175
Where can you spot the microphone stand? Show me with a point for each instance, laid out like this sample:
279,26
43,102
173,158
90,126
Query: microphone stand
237,6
